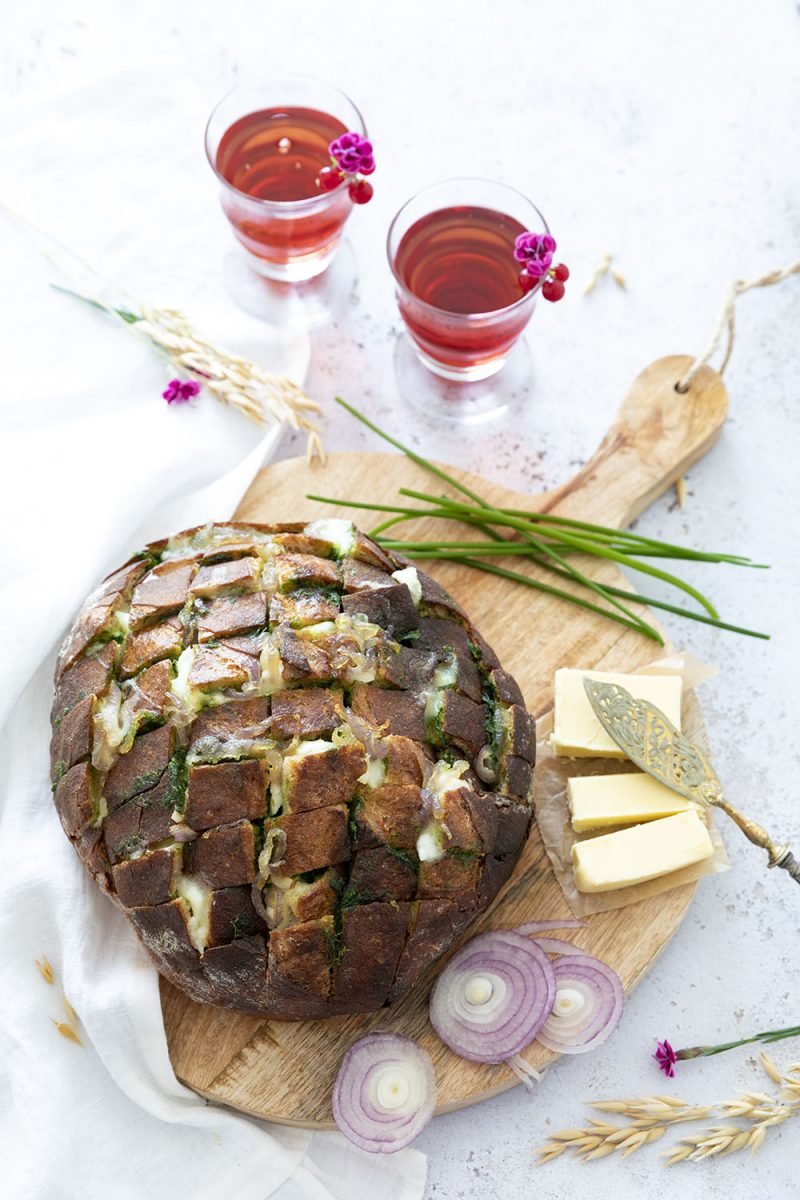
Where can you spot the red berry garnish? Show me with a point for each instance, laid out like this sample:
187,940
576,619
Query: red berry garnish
360,191
553,290
561,272
329,178
526,281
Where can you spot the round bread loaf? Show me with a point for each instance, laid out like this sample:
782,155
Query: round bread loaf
292,761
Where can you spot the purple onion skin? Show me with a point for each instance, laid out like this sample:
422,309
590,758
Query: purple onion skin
587,968
366,1126
508,954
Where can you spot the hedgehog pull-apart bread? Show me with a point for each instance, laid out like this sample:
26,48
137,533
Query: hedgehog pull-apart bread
292,761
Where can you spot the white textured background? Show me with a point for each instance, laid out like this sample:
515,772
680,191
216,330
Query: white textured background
668,133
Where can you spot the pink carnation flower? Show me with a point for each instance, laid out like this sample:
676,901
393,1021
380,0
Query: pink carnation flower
352,154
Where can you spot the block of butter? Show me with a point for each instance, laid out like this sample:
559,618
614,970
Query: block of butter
596,801
577,731
619,860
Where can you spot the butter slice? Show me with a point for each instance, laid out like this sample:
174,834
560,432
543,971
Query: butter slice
599,800
620,860
577,731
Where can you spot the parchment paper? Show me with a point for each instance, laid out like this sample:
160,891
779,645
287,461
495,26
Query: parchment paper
552,808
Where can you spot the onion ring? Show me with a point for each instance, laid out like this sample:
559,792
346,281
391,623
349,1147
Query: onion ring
385,1092
493,996
587,1007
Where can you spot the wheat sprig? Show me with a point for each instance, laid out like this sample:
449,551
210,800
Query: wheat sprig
67,1031
650,1117
649,1109
45,969
718,1140
233,380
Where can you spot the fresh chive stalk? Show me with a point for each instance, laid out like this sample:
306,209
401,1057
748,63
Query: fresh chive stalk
545,539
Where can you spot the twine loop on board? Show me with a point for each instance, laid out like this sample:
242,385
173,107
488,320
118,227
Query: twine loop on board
727,321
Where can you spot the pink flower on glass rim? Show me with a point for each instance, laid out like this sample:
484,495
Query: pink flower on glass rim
178,391
666,1058
535,251
352,154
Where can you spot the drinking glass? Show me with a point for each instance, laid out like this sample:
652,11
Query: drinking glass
266,144
451,251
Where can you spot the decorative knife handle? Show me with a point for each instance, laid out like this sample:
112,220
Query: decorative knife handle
779,856
790,864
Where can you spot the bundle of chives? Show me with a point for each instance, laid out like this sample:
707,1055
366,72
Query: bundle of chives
545,539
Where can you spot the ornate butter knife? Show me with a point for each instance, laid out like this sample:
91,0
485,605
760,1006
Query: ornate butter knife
650,740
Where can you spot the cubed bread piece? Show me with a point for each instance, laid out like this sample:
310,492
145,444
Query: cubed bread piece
390,607
88,676
75,799
225,792
299,971
520,733
150,879
323,776
314,839
497,870
407,667
304,659
373,937
72,740
237,974
404,760
455,877
141,768
304,606
223,857
391,711
239,574
306,570
225,616
215,668
464,723
164,640
226,729
306,712
305,899
505,687
392,814
164,932
161,592
364,549
358,575
515,777
384,873
232,916
455,813
150,691
436,602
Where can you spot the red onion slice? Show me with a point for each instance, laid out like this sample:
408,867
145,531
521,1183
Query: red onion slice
556,946
587,1007
493,997
385,1092
542,926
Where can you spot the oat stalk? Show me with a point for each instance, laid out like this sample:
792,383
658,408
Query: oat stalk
45,969
231,379
649,1118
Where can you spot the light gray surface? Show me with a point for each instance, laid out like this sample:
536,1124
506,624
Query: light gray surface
668,134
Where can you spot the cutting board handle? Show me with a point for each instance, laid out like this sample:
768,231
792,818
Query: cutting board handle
658,434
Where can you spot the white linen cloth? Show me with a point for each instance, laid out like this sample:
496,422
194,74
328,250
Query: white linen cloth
94,463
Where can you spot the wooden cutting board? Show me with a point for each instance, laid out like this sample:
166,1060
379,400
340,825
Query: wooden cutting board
284,1071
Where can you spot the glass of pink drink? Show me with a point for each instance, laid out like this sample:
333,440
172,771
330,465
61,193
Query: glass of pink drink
451,250
267,146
